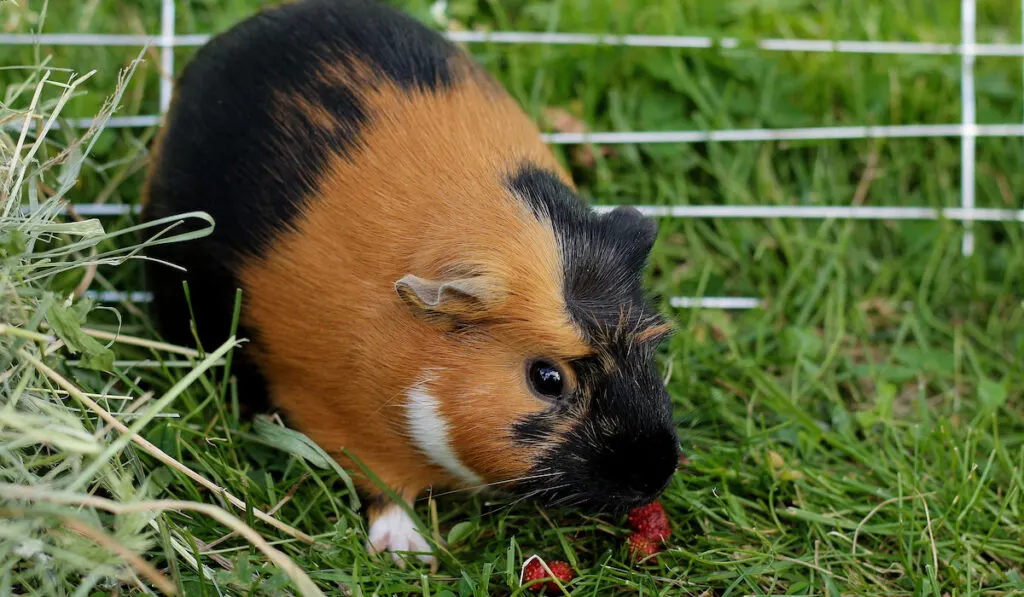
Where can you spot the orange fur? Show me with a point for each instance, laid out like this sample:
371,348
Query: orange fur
654,333
423,195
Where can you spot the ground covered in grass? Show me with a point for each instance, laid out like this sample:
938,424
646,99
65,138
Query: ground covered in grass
861,434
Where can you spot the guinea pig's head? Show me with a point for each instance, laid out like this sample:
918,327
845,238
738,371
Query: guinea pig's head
545,384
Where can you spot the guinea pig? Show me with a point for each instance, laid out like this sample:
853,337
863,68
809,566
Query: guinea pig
422,284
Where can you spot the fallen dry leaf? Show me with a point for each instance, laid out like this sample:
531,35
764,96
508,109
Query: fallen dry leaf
561,120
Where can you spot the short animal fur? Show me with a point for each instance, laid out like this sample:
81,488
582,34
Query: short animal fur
422,285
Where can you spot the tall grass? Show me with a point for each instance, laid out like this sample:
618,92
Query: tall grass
77,509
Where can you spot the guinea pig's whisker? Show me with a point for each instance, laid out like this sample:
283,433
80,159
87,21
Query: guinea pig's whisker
391,401
568,501
492,484
535,493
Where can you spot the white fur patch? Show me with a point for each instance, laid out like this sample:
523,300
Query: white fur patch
429,431
394,531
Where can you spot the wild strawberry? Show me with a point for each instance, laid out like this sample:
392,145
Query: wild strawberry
650,521
641,547
534,570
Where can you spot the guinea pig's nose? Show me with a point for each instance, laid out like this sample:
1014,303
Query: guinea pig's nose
641,466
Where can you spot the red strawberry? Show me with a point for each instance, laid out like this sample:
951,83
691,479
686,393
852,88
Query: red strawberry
641,547
534,570
650,521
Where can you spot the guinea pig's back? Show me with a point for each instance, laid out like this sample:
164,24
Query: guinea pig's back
338,144
234,146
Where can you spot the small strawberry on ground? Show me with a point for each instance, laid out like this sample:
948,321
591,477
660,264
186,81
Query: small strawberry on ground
533,570
642,547
650,521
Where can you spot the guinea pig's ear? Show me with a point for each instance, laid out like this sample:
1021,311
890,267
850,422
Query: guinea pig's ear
637,230
459,298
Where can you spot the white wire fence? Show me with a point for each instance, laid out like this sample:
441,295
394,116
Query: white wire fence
967,130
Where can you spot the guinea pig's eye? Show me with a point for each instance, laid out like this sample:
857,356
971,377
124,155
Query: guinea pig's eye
546,379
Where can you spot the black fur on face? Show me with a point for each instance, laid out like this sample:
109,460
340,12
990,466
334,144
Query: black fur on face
622,448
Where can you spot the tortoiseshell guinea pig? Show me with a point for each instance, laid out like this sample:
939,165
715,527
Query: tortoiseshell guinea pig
422,286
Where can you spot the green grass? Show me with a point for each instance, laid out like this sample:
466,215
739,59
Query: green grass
860,435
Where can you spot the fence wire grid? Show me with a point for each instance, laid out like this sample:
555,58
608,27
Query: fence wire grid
967,129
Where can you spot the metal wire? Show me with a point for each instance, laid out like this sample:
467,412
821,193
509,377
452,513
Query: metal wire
967,130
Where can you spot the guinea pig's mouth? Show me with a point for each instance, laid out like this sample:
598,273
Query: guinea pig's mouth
587,498
614,476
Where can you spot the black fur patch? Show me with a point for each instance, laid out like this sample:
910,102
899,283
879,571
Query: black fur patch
535,428
623,447
224,150
227,152
602,256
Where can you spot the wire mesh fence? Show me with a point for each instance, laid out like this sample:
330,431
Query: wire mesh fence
967,130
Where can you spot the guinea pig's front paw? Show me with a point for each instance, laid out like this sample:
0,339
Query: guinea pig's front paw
394,531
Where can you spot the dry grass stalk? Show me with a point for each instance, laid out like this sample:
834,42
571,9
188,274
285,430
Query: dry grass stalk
157,452
21,492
